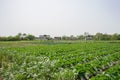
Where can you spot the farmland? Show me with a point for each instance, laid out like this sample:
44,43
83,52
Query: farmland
60,60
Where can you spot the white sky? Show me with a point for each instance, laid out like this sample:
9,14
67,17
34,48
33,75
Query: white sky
59,17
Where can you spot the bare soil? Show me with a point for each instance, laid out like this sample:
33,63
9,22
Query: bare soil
1,78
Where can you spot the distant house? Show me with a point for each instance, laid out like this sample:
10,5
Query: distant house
88,37
44,37
57,38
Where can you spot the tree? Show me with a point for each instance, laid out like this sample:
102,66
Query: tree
98,36
115,36
19,34
30,37
64,37
72,37
24,35
81,37
106,37
3,38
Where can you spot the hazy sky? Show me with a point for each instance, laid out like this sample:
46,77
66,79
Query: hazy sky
59,17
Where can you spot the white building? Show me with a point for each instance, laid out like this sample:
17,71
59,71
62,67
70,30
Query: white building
44,37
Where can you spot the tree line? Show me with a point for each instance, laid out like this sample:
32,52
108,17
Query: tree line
101,36
18,37
85,36
97,36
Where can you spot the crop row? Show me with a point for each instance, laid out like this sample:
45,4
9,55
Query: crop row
112,73
94,67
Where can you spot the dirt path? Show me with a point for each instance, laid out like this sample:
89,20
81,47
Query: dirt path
106,68
1,78
0,71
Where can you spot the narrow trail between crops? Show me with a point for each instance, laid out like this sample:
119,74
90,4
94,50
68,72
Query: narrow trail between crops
1,78
100,72
105,69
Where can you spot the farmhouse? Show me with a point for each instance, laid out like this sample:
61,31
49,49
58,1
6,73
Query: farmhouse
57,38
44,37
88,37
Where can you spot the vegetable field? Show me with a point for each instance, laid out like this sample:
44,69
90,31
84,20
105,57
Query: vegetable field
60,60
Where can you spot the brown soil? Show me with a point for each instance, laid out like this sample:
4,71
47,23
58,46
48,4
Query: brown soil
0,64
1,78
107,67
0,69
